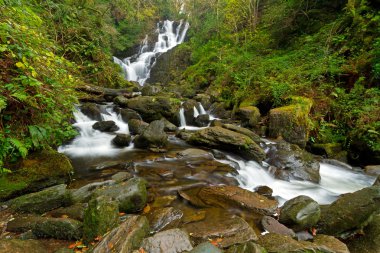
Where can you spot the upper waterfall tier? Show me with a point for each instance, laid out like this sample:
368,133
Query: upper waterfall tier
137,67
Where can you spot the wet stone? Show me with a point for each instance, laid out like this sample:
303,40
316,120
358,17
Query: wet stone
271,225
75,211
105,126
84,193
121,176
249,247
164,218
169,241
206,247
164,201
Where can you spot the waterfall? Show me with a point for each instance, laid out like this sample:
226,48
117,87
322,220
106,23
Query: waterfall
201,108
137,68
182,117
196,113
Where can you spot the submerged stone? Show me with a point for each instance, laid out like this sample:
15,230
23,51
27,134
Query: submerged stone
122,140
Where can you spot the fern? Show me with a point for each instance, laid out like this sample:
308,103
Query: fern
19,146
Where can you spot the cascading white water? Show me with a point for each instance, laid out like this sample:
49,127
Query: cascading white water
92,142
182,119
196,112
138,68
334,181
201,108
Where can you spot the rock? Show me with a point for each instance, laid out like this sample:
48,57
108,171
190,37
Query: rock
304,236
154,108
150,90
202,120
125,238
184,134
58,228
194,216
204,99
130,195
101,216
194,152
28,235
230,197
249,116
276,243
84,193
168,126
231,229
244,131
153,137
164,218
291,122
121,176
188,107
23,224
206,247
300,213
351,212
329,150
169,241
137,126
216,122
264,190
377,181
75,211
122,140
218,110
289,161
105,126
121,101
42,201
22,246
332,243
248,247
369,241
217,137
164,201
372,169
128,114
271,225
92,111
38,171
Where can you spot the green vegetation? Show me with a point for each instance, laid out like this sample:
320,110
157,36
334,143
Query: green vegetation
261,52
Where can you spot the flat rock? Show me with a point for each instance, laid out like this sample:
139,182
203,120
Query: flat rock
164,218
231,229
126,237
58,228
271,225
372,169
22,246
256,138
332,243
84,193
75,211
206,247
169,241
249,247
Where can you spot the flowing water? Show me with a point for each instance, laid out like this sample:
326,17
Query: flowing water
93,149
169,34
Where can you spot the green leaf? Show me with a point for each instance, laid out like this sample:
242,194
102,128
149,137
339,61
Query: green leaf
19,146
3,103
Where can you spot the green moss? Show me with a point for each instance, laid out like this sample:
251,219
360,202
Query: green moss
8,187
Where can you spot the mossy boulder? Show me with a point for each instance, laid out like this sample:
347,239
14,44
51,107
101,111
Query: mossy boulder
106,126
38,171
218,137
92,111
75,211
122,140
369,241
249,247
42,201
128,114
330,150
202,120
58,228
121,101
249,116
137,126
350,213
291,122
206,247
101,216
22,246
150,90
300,213
154,108
130,195
153,137
168,126
219,110
84,193
256,138
125,238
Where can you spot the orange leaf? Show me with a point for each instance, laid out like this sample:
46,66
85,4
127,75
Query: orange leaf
216,241
64,216
314,231
110,245
98,238
74,245
146,209
121,214
141,250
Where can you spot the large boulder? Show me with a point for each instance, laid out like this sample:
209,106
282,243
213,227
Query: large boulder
300,213
202,120
271,225
369,241
153,137
249,116
230,197
154,108
350,213
36,172
204,99
106,126
122,140
188,107
42,201
137,126
206,247
84,193
101,216
131,195
256,138
249,247
150,90
58,228
22,246
231,229
121,101
125,238
169,241
291,122
289,161
218,110
128,114
92,111
218,137
169,127
164,218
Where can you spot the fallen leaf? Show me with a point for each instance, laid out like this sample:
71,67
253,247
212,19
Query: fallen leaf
98,238
110,245
74,245
216,241
141,250
121,214
146,209
65,216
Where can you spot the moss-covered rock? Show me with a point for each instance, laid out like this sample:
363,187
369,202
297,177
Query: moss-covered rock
206,247
121,101
369,241
153,137
122,140
300,213
101,216
128,114
125,238
92,111
130,195
75,211
164,218
218,137
42,201
219,110
58,228
106,126
256,138
249,247
350,213
38,171
330,150
22,246
249,116
84,193
291,121
137,126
